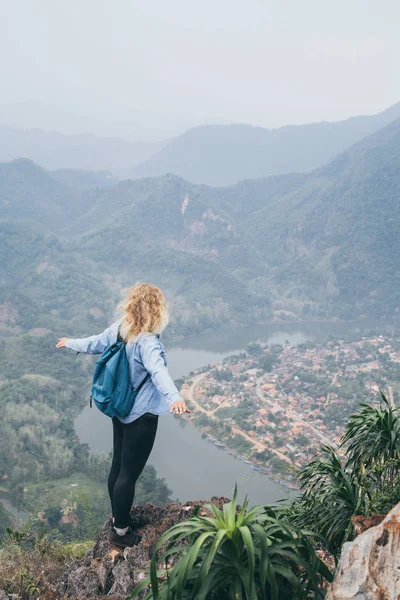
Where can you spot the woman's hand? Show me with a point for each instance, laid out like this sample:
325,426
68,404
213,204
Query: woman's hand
61,342
179,407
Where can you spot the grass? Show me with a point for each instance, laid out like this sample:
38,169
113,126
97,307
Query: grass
49,493
77,550
29,561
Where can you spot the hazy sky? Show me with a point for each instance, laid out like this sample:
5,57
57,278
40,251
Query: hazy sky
170,63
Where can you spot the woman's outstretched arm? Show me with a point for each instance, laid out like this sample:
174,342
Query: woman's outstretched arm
152,354
95,344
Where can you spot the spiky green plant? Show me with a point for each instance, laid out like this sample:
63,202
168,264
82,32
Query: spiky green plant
372,442
372,435
234,554
332,495
365,481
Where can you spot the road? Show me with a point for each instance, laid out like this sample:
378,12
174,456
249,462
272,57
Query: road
190,394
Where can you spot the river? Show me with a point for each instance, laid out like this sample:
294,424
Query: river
193,467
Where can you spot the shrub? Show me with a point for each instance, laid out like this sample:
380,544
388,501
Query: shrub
363,482
27,554
235,553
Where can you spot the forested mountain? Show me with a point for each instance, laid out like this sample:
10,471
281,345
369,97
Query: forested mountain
40,278
321,244
84,179
31,193
335,238
314,241
54,150
225,154
212,154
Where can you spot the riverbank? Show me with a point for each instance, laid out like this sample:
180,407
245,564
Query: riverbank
193,466
224,442
255,466
286,402
281,323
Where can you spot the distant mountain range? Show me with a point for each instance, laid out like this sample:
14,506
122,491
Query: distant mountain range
53,150
225,154
212,154
317,245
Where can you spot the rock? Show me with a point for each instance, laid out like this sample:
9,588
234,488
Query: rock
84,582
103,575
369,568
326,558
122,574
5,596
107,571
361,524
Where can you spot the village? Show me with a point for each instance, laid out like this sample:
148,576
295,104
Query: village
276,406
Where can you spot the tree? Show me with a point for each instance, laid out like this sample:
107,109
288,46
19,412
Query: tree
5,520
151,488
302,440
330,361
223,375
266,363
279,440
16,484
254,349
53,515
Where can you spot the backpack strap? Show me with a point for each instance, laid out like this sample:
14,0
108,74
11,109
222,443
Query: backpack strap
141,384
148,376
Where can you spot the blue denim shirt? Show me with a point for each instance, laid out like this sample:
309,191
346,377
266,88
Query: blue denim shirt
146,354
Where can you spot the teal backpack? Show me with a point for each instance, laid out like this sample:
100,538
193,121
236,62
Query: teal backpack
112,390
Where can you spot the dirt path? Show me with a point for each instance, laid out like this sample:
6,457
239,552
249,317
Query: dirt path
189,393
225,404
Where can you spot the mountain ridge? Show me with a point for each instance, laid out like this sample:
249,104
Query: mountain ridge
315,245
55,150
225,154
210,154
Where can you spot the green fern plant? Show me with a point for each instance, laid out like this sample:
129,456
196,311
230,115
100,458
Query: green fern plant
234,554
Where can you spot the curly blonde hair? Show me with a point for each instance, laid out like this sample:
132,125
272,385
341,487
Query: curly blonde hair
144,309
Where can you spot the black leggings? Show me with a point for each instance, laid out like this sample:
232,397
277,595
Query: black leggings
133,443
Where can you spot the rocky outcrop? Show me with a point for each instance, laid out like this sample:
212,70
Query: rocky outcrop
361,524
369,568
107,571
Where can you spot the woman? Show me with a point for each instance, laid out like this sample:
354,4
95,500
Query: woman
144,317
